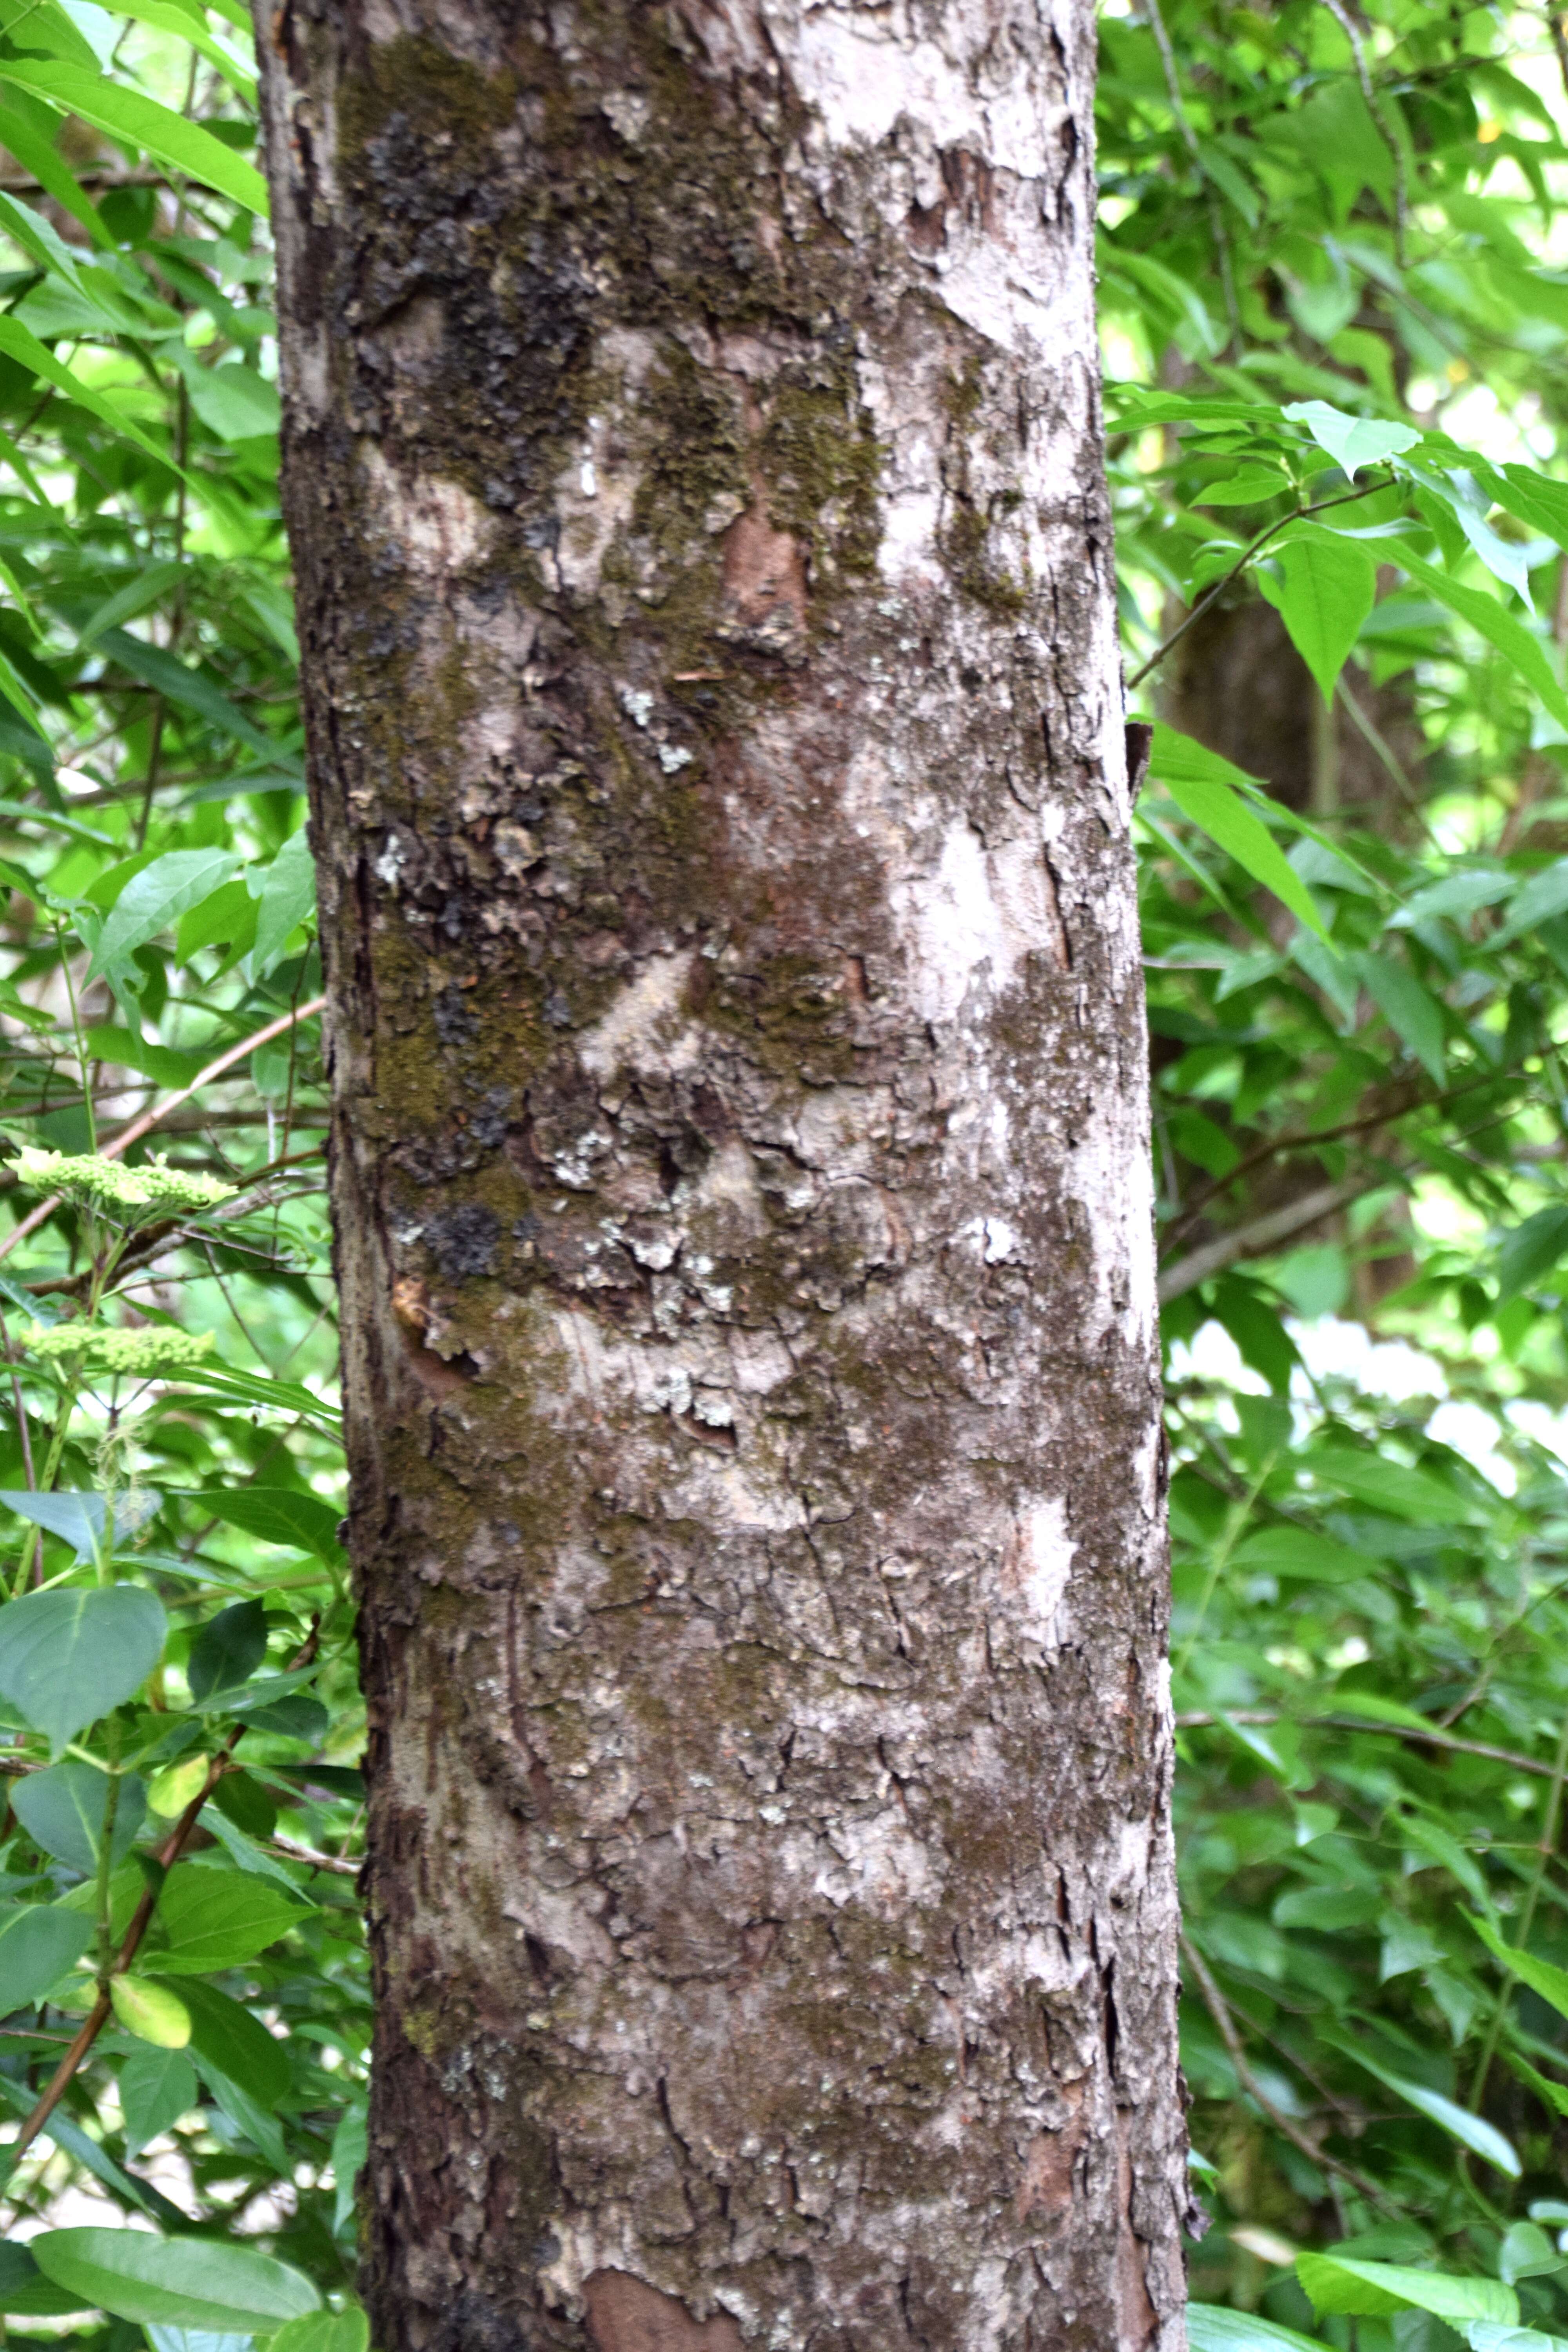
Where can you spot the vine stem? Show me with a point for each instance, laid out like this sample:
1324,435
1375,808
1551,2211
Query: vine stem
150,1118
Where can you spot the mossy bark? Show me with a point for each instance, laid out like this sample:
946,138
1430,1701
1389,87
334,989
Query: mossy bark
692,466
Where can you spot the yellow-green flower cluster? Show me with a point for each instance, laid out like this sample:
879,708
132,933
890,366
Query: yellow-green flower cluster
103,1348
153,1187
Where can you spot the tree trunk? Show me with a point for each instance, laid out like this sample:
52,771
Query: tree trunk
693,471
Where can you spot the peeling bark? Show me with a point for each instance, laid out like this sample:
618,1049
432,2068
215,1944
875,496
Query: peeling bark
739,1162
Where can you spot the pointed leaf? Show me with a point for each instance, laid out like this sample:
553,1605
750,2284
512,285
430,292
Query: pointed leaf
1326,588
287,896
278,1514
184,2281
1201,784
128,114
1350,441
156,897
218,1919
1338,2282
156,2088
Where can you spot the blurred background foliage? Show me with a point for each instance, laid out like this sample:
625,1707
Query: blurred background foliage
1334,287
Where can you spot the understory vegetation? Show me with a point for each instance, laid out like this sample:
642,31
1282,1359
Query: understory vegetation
1334,282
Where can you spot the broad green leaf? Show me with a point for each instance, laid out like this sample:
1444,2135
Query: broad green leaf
1213,2328
232,401
77,1520
1542,1977
39,1943
193,2339
171,1790
1251,486
287,896
1531,1250
68,1656
1527,2252
227,2040
277,1515
127,114
228,1649
1487,2335
1326,588
1351,442
1339,2282
1544,895
217,1919
151,2012
1457,895
62,1809
180,2282
156,897
1411,1011
1388,1486
324,2331
156,2088
1298,1552
1203,786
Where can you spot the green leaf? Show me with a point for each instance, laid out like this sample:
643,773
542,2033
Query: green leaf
1299,1552
1351,442
25,2292
156,897
1471,2131
182,684
1212,2327
39,1943
1553,2096
180,2282
1493,621
351,2147
151,2012
127,114
18,343
324,2331
1531,1250
67,1657
218,1919
1339,2282
156,2088
232,401
1411,1011
77,1520
1326,589
1388,1486
231,2043
148,587
1203,786
1527,2252
62,1810
277,1515
228,1649
167,16
1544,895
1542,1977
287,896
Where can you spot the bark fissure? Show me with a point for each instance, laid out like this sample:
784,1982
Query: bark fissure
718,789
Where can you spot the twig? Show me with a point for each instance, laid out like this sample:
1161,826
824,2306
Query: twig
1263,1233
150,1118
1219,2009
291,1851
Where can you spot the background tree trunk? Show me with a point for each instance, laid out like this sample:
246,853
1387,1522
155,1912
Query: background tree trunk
739,1170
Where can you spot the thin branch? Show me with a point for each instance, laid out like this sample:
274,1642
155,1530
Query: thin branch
1202,1721
153,1117
1253,1240
1219,2009
1253,547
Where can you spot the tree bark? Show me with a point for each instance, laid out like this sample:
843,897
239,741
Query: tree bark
693,462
